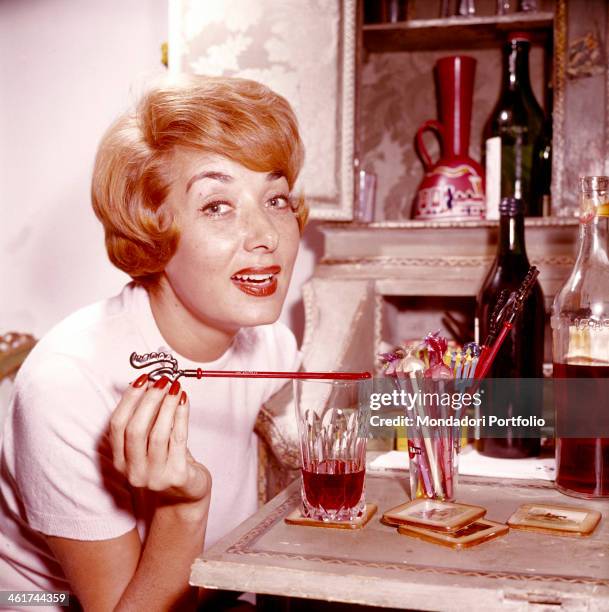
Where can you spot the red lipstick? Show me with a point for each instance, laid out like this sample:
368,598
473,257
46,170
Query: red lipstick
257,281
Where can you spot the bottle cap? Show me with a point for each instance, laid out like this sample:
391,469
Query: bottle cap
594,192
519,36
510,207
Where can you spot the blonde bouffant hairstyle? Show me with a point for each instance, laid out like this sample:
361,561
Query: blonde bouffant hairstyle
237,118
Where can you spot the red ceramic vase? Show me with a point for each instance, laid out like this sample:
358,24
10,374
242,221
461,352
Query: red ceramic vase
453,187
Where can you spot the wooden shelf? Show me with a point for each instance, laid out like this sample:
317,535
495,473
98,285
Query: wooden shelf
455,32
536,222
422,258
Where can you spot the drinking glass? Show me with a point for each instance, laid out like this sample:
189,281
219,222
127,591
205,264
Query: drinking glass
503,7
364,211
333,420
433,449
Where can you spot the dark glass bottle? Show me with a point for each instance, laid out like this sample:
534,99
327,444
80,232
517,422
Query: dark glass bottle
542,171
517,120
521,355
385,11
542,161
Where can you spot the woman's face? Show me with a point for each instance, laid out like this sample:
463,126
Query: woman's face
238,241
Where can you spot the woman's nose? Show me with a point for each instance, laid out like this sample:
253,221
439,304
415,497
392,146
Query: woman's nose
260,232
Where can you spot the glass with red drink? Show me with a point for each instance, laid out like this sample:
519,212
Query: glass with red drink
332,426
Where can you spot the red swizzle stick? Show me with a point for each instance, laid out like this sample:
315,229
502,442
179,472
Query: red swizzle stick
253,374
490,354
504,314
167,365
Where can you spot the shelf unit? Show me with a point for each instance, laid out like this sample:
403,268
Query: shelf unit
396,71
401,277
423,258
454,32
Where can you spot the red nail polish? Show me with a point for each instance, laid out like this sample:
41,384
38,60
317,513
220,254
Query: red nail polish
183,398
175,388
140,381
161,383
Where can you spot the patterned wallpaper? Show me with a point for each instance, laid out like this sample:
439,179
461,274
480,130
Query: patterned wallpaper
291,46
397,94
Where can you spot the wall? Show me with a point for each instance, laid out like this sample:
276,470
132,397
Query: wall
67,69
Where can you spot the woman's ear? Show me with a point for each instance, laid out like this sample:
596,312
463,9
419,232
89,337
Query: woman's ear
301,210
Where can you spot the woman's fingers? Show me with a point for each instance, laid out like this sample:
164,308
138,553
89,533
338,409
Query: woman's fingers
178,451
179,433
192,479
120,418
137,431
149,431
158,440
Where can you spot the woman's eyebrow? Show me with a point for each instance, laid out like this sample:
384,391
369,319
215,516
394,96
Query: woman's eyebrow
226,178
210,174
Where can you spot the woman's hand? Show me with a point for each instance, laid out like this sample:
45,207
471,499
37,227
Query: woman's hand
149,433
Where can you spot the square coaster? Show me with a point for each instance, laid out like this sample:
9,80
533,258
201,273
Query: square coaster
473,534
555,519
296,518
433,514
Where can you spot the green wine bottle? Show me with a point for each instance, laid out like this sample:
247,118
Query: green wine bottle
517,120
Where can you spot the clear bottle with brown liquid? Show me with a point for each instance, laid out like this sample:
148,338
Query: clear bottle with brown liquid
580,335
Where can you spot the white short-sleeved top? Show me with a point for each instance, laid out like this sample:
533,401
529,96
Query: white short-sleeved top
56,472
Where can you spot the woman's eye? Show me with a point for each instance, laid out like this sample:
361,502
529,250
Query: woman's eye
279,201
215,209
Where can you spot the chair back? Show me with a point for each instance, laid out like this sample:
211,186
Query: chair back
14,348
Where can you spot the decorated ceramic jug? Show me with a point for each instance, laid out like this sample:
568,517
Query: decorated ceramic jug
453,187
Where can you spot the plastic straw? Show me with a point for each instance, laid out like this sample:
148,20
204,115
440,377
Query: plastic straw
433,462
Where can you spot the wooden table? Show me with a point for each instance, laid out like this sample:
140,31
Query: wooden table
377,566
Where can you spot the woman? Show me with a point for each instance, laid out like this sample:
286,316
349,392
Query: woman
106,485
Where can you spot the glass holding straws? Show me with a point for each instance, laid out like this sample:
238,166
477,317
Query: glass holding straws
426,374
441,384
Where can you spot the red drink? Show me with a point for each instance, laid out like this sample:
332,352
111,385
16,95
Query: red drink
333,430
333,485
582,464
